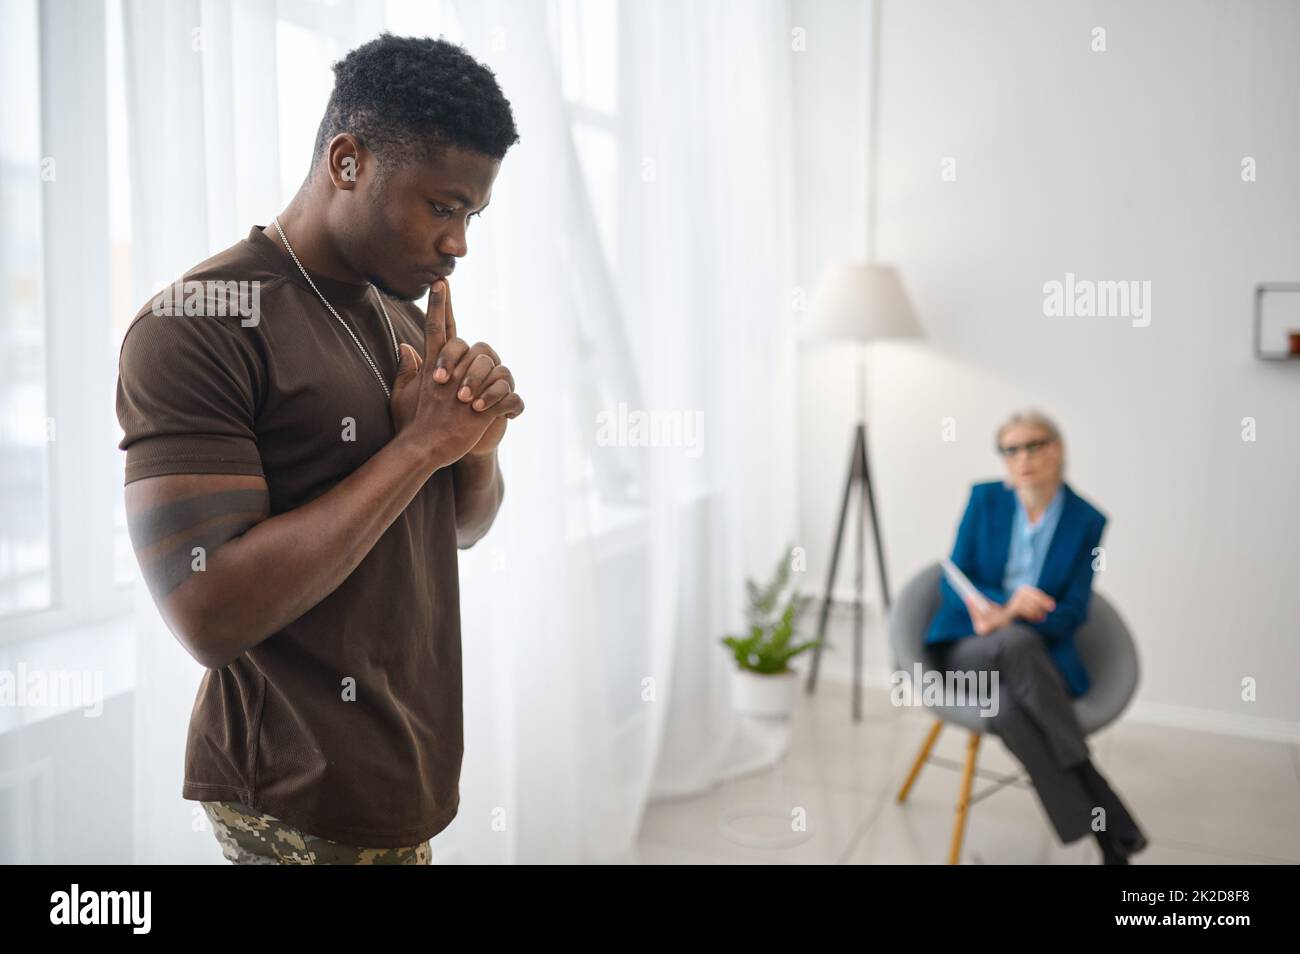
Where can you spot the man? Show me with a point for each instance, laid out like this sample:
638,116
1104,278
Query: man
298,481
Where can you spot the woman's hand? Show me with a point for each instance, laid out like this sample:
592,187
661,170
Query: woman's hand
988,617
1027,602
1031,603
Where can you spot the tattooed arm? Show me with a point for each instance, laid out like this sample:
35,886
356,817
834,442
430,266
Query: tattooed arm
225,575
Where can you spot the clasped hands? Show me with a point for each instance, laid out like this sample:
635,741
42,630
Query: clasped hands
481,380
1027,602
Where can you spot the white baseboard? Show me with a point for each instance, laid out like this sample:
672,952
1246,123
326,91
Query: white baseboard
1208,720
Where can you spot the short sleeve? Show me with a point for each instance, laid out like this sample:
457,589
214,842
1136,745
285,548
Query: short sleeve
188,391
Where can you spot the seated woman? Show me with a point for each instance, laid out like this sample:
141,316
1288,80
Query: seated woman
1027,543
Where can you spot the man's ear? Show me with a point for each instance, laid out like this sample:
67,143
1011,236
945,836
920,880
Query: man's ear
345,158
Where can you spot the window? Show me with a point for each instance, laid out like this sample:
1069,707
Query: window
25,428
585,36
587,39
63,547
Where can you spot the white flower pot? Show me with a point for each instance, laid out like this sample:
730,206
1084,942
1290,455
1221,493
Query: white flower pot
769,696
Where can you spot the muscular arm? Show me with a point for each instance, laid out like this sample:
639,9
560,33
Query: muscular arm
256,573
479,489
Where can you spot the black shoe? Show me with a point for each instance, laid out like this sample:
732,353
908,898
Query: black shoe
1111,854
1128,839
1130,843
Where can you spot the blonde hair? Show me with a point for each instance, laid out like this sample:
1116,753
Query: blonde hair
1038,419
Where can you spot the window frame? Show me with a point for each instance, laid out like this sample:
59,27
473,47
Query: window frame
74,219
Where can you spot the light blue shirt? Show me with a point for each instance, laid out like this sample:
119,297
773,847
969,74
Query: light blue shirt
1029,543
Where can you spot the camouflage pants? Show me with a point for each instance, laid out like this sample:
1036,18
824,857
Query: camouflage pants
250,837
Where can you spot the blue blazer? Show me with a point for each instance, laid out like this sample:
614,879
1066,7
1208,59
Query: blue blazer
983,543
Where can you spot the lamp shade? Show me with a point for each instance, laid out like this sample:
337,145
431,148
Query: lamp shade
862,303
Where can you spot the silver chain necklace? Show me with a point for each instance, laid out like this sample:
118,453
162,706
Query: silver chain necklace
397,355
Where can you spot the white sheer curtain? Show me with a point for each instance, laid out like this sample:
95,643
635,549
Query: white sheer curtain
591,613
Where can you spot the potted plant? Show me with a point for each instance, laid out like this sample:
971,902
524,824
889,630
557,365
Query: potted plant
763,683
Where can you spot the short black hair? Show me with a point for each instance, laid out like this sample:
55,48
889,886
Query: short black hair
409,97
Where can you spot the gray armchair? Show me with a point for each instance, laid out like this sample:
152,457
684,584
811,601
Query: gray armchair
1104,643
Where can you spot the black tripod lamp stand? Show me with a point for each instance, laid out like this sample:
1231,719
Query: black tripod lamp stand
860,303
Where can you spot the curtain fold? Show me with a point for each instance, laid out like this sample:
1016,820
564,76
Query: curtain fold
710,301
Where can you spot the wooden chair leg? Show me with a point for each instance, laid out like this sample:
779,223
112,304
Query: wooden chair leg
963,798
920,759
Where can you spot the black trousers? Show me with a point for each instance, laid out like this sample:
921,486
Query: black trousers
1035,718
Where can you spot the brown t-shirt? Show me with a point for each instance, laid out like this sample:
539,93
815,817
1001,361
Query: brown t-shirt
278,728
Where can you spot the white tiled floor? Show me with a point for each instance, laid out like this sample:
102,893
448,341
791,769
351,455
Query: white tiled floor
1201,798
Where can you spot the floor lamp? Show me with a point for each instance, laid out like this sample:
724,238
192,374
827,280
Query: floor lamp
859,303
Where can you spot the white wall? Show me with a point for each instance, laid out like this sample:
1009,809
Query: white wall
1115,165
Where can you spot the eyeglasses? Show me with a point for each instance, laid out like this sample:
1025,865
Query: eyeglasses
1032,448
